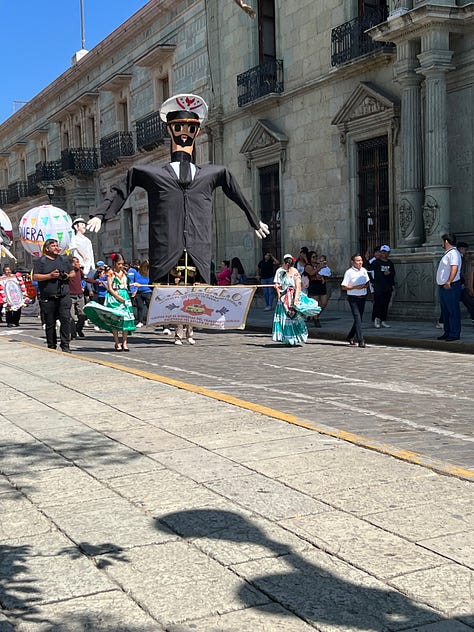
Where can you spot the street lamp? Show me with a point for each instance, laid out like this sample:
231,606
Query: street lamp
50,192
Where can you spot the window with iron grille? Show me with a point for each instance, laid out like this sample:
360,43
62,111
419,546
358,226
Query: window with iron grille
373,178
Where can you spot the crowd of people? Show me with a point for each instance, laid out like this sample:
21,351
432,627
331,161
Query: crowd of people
67,295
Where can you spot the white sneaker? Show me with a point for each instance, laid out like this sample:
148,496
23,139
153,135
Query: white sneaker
191,340
139,325
439,325
377,323
166,331
267,309
384,324
178,341
96,328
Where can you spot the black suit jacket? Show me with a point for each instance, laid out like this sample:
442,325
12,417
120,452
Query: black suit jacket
180,216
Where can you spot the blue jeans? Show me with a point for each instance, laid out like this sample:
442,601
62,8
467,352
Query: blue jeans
450,309
357,304
268,292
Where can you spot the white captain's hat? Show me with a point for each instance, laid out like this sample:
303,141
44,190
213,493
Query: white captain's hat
184,108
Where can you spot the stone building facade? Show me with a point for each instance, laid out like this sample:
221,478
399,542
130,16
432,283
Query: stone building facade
347,123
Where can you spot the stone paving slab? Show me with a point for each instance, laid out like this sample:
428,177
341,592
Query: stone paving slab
175,582
420,488
266,497
61,487
370,548
430,520
453,594
458,547
199,464
162,491
271,618
232,537
107,612
149,439
332,595
27,579
107,523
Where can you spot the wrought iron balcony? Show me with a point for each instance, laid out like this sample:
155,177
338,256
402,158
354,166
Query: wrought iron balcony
3,197
151,132
350,41
17,190
115,146
267,78
80,161
48,171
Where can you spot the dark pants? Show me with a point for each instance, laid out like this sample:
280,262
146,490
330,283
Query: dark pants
53,309
450,309
13,317
381,303
78,318
143,303
357,304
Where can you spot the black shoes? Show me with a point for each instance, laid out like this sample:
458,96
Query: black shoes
66,350
81,334
443,337
447,338
362,344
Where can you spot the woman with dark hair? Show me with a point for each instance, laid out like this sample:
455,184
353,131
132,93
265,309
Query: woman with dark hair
118,297
224,274
116,315
355,282
288,325
317,288
238,276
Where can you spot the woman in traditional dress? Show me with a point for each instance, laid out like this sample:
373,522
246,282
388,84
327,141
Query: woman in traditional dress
289,326
118,298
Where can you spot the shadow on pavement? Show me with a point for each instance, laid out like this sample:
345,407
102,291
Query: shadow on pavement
306,590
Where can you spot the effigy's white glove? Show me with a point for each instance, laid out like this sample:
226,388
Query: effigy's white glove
263,231
94,224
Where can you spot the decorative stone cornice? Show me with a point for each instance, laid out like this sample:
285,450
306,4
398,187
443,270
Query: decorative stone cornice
412,24
367,104
263,142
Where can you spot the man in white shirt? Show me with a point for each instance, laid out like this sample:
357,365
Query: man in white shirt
448,278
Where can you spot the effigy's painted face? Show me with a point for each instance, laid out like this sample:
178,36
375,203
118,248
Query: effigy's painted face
183,134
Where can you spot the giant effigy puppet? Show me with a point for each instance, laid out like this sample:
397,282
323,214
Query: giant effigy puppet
180,195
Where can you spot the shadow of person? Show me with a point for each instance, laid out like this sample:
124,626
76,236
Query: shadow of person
313,585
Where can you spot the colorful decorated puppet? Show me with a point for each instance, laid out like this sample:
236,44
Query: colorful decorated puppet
81,246
180,196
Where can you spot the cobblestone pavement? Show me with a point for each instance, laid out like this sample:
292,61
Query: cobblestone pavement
414,400
128,504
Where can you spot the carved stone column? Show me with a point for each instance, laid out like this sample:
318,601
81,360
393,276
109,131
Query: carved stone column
435,61
410,217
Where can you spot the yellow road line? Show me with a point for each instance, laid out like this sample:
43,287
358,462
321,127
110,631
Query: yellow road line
384,448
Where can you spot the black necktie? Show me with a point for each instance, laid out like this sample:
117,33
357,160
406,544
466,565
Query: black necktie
185,173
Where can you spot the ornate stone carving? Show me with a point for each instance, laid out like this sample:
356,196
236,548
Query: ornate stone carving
264,140
368,106
406,218
430,214
415,283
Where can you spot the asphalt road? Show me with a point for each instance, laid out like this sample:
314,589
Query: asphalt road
412,399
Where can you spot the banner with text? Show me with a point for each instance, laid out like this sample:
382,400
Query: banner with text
208,306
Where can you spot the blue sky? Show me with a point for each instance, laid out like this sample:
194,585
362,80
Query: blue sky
39,38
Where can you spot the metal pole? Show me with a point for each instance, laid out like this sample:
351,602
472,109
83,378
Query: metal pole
83,38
